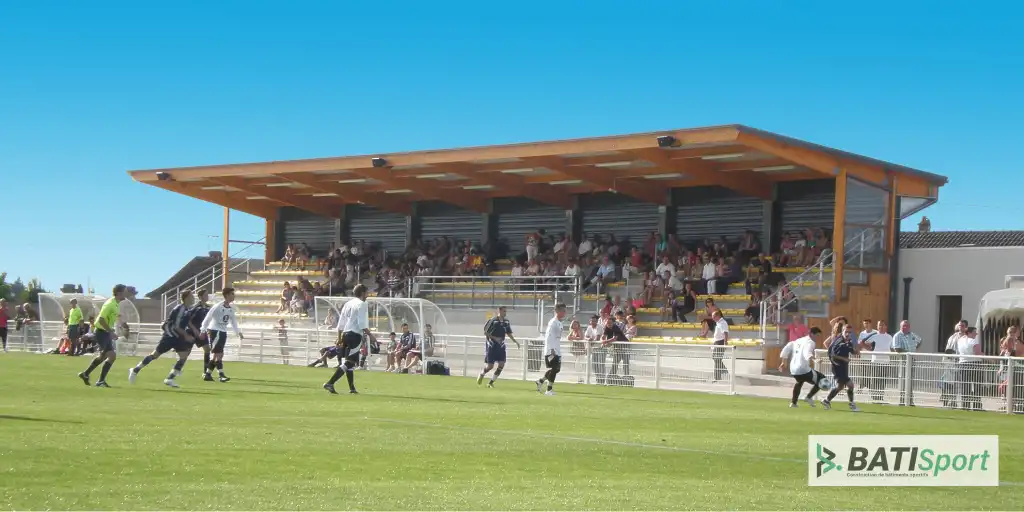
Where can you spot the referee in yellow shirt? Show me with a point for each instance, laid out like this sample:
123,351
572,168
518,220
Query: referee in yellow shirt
105,337
74,327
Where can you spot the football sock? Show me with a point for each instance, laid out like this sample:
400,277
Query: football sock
220,368
142,364
350,375
206,360
497,372
106,369
796,392
849,393
92,366
832,394
814,391
337,375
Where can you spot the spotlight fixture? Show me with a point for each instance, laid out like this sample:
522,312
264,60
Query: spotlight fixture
667,141
379,162
163,176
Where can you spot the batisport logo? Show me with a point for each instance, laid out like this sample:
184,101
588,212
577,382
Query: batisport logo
909,461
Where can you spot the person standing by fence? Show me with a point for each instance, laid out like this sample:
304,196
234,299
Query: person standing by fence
720,339
1011,346
904,342
968,370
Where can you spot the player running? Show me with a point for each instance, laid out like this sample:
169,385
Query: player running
195,326
175,337
552,350
104,337
496,329
798,357
353,324
215,325
839,354
325,354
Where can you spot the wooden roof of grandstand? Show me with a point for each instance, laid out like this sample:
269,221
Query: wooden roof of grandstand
644,166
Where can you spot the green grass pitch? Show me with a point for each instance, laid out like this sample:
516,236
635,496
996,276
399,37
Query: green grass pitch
272,439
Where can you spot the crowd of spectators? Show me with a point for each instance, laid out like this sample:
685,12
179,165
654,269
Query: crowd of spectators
673,272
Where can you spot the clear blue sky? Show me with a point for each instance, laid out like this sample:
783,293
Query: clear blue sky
89,90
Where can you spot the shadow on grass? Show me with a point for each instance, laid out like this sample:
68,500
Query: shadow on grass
42,420
272,383
436,399
179,390
884,412
616,398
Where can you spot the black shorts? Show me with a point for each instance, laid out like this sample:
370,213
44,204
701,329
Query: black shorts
841,374
553,362
169,343
3,335
218,339
104,341
812,377
351,343
74,332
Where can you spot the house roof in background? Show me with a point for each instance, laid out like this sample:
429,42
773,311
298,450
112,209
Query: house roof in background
951,239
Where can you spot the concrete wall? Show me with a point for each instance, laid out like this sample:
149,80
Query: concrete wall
970,272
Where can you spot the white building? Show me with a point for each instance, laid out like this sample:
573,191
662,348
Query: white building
950,272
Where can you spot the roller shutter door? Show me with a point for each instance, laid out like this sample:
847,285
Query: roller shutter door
713,212
519,216
299,226
614,214
441,219
807,204
377,226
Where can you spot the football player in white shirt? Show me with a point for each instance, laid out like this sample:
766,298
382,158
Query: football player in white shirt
353,324
798,357
552,350
215,325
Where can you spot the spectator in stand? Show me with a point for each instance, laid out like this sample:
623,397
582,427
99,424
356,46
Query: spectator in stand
685,303
797,328
533,241
753,312
286,298
749,246
653,283
708,275
665,266
587,246
758,273
788,253
709,317
573,270
605,273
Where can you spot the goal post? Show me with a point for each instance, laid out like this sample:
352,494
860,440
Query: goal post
387,314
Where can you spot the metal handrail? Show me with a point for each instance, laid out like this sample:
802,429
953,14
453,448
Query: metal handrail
208,277
544,287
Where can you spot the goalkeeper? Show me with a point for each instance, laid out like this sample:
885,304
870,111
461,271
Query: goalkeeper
798,357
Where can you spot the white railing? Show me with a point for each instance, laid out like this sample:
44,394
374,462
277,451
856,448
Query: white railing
473,292
774,304
657,366
211,278
986,383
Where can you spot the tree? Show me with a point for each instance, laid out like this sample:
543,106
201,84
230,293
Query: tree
29,293
5,287
17,290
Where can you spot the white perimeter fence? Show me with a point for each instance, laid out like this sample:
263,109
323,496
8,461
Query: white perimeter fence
926,380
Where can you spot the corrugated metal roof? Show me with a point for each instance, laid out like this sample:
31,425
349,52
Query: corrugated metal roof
948,239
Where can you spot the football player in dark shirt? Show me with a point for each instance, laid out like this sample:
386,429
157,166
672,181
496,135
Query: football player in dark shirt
325,353
195,324
839,354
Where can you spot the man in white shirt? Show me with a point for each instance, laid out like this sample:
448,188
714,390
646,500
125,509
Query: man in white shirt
968,370
215,325
586,246
798,356
708,275
720,338
353,324
665,266
880,373
960,331
552,350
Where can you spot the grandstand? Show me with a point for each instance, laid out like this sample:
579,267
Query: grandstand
782,226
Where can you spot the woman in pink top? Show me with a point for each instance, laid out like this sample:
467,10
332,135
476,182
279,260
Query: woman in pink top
797,328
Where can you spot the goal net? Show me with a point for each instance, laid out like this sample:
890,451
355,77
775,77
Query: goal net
424,319
54,309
